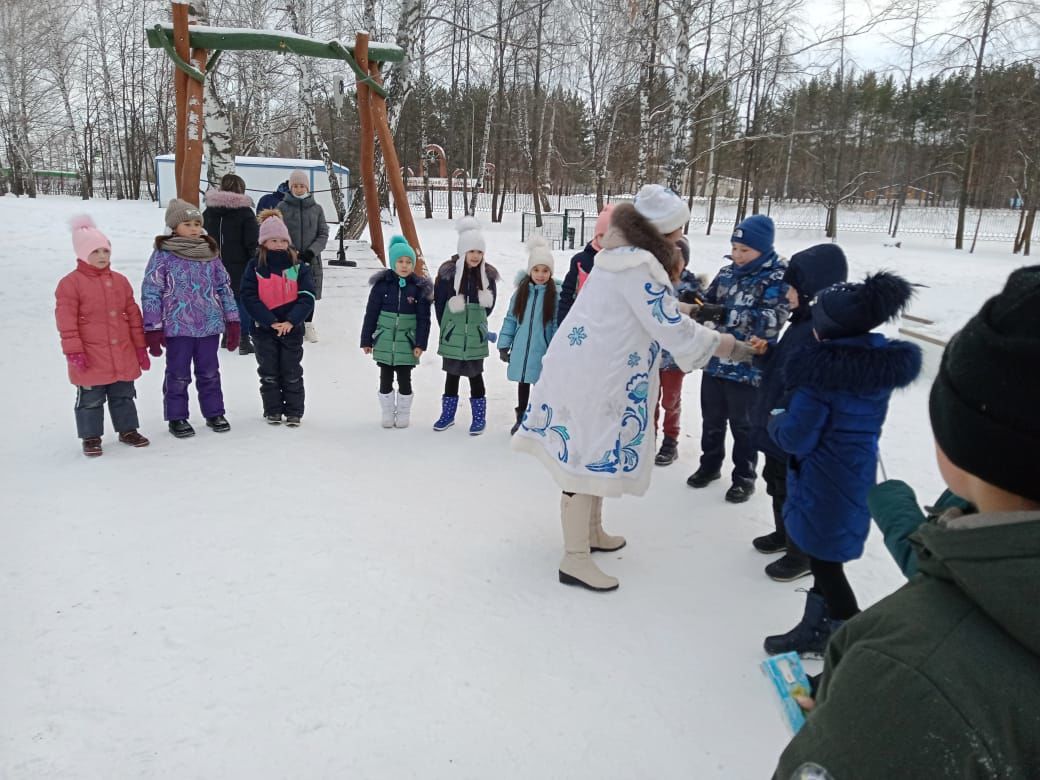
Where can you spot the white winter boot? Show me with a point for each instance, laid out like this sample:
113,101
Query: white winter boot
310,333
386,402
577,567
600,540
404,410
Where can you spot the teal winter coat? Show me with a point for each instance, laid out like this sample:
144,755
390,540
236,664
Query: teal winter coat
528,339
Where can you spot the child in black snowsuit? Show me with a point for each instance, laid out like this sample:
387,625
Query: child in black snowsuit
279,293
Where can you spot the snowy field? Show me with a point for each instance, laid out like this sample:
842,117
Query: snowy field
346,601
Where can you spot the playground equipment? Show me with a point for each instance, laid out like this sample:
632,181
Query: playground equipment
189,45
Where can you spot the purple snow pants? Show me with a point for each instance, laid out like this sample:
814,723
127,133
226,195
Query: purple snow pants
181,352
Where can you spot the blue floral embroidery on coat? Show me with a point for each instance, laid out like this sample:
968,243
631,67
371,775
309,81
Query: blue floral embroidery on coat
655,350
633,423
577,335
540,430
656,304
633,359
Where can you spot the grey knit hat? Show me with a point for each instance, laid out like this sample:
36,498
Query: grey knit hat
181,211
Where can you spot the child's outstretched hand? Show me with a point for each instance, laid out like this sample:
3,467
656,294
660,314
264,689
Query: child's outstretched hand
281,328
417,352
760,346
367,350
142,359
78,360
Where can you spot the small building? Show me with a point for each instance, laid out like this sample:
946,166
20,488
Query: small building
890,193
263,175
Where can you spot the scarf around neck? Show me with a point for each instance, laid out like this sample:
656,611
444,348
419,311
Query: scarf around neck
191,248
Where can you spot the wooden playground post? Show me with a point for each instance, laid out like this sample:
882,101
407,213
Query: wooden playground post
368,149
393,169
180,88
189,97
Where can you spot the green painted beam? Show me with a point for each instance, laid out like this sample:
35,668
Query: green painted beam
232,39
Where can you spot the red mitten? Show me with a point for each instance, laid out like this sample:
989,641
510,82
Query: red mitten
156,340
142,359
78,360
234,335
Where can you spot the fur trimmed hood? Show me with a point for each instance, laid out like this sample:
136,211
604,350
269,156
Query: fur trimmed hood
389,276
862,364
228,200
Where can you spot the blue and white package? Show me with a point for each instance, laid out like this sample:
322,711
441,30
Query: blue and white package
789,680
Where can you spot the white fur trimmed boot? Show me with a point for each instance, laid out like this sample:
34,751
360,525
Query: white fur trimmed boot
389,407
600,540
577,567
404,410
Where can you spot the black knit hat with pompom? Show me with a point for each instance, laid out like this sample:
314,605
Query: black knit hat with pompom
985,402
854,308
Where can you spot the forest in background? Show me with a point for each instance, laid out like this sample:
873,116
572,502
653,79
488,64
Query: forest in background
751,99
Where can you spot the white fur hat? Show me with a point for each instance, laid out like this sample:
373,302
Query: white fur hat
539,253
666,211
470,237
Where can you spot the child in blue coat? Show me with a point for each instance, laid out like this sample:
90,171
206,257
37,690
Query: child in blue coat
840,387
397,328
530,323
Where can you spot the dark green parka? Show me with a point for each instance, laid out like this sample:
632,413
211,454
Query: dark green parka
942,678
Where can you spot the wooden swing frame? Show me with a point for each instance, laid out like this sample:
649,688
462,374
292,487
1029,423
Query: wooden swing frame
189,47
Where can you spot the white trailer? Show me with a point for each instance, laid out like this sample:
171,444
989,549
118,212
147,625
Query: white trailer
263,175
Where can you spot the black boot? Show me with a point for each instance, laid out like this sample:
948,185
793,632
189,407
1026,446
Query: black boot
702,478
668,453
181,429
740,491
218,423
810,636
771,543
245,347
789,568
519,417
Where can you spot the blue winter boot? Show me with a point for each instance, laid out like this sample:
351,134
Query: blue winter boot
810,636
449,405
479,406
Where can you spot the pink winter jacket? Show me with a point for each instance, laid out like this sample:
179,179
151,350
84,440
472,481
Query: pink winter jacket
97,315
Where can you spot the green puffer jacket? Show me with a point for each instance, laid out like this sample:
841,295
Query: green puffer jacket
464,333
942,678
394,339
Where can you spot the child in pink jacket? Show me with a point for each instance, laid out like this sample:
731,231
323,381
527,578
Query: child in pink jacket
102,338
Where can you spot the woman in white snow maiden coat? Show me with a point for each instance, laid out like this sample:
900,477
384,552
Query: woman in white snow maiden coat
589,420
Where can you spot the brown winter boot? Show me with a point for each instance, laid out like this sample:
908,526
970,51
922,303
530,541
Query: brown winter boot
133,438
92,447
577,567
600,540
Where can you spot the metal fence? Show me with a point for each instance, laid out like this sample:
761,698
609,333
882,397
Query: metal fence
992,224
562,231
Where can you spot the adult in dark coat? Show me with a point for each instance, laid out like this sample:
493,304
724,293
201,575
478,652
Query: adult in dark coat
582,264
808,272
308,231
230,221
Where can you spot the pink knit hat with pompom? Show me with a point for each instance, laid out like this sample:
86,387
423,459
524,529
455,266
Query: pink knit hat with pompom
86,237
272,226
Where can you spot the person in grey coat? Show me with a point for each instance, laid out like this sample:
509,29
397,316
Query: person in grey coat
309,231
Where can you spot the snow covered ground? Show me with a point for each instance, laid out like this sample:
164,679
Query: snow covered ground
346,601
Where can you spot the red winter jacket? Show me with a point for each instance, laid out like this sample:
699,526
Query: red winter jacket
97,314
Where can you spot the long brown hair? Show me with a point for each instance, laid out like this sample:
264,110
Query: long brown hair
548,303
229,182
639,232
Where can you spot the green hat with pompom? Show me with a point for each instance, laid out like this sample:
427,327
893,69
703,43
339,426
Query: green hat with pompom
399,248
